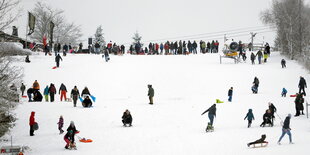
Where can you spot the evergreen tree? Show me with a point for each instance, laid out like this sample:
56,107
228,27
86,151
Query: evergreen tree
99,37
137,38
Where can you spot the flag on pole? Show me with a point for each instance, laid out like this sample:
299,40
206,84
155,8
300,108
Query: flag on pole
52,25
31,23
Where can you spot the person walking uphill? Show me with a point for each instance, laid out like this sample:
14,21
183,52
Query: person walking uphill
250,117
75,94
150,93
211,114
230,93
286,129
57,59
63,92
31,123
302,85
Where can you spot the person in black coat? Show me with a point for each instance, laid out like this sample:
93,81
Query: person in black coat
73,129
272,109
85,92
299,100
261,140
29,93
230,93
286,129
126,118
253,58
37,96
267,117
302,85
87,102
27,59
283,63
57,59
69,138
211,114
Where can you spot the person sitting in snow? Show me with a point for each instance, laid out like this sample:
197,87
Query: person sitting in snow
87,102
126,118
85,92
267,118
261,140
37,96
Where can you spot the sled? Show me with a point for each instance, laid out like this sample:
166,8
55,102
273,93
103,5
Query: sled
54,67
84,140
24,96
35,126
293,95
219,101
258,145
93,98
80,98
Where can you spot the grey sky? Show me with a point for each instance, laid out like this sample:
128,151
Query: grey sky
157,19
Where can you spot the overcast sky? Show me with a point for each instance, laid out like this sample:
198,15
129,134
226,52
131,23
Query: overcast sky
159,19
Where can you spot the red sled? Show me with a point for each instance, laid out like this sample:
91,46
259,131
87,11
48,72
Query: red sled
24,96
54,67
293,95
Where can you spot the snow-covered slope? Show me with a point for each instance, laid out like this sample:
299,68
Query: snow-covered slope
184,87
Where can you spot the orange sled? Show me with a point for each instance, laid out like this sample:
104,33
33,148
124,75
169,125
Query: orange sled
83,140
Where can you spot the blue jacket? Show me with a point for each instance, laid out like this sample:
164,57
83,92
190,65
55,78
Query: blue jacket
284,91
45,91
249,115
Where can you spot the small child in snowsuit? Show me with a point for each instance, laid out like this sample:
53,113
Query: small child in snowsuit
261,140
60,124
250,117
284,91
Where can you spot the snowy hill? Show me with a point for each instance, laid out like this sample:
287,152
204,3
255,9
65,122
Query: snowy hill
185,86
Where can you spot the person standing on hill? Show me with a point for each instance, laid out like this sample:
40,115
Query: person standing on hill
230,93
250,117
75,94
52,92
31,123
302,85
259,55
253,58
22,88
150,93
36,85
256,83
60,124
63,92
286,129
57,59
211,114
45,93
283,63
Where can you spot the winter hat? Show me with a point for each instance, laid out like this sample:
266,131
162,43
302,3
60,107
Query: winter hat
289,115
71,123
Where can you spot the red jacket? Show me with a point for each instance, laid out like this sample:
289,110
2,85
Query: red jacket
166,46
31,119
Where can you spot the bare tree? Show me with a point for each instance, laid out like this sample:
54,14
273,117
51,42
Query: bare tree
291,20
6,15
9,97
63,32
